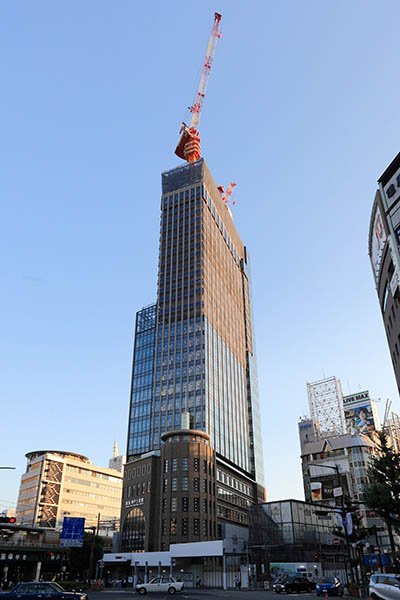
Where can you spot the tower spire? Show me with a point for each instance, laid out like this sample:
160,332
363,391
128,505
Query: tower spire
116,453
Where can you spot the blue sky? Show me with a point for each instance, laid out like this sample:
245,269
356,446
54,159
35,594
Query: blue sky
302,112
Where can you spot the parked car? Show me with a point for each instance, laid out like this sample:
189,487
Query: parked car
329,585
160,584
295,583
384,586
40,589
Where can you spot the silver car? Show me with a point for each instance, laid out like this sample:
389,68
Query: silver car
384,586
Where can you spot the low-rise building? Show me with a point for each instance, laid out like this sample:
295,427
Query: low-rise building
292,537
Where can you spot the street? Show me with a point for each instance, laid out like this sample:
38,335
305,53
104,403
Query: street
193,594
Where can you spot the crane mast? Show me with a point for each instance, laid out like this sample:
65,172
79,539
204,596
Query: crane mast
188,147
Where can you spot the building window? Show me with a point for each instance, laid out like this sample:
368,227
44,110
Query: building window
172,527
185,504
195,526
196,464
204,485
166,465
133,531
164,504
185,527
196,504
173,504
205,505
164,527
205,527
185,464
174,484
204,466
196,484
165,488
185,484
174,465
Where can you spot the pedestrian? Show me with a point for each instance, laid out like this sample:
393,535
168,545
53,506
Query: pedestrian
236,581
239,584
198,581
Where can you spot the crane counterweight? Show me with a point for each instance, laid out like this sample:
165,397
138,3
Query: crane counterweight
188,146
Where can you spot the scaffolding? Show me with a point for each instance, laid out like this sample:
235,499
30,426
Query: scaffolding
325,399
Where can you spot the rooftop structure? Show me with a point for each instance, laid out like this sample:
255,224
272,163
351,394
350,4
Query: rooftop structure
325,400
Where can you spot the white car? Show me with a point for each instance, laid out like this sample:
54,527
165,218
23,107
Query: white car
160,584
384,586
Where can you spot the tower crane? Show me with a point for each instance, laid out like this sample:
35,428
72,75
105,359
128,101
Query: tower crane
188,147
228,192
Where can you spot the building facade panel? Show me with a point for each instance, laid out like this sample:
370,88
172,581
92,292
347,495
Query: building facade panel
384,252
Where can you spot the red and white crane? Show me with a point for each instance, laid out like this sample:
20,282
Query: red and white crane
228,192
188,147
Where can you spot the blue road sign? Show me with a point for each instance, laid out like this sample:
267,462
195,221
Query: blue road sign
72,532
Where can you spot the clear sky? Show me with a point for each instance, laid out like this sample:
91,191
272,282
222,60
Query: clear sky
302,112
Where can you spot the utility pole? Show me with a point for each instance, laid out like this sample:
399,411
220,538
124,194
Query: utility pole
91,560
342,510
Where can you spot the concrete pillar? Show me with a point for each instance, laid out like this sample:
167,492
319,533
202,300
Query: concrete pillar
159,568
38,568
145,571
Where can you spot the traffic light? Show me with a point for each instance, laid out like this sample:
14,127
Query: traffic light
8,519
315,556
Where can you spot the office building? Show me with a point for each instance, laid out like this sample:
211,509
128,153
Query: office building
58,484
194,451
336,466
383,249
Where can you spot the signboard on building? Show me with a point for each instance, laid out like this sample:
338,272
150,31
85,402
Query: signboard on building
377,243
72,532
360,413
134,502
326,487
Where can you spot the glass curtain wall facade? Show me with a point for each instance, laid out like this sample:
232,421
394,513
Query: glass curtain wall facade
141,407
201,331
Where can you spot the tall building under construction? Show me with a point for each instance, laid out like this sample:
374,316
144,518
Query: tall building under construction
194,451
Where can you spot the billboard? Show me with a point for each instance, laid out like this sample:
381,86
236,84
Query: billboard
359,419
323,487
360,413
378,241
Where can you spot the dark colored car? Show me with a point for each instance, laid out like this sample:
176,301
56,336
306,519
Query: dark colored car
41,589
329,585
296,583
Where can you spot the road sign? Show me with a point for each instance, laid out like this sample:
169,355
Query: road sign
72,532
337,491
336,541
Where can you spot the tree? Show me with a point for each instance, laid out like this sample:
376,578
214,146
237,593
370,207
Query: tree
382,492
80,557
